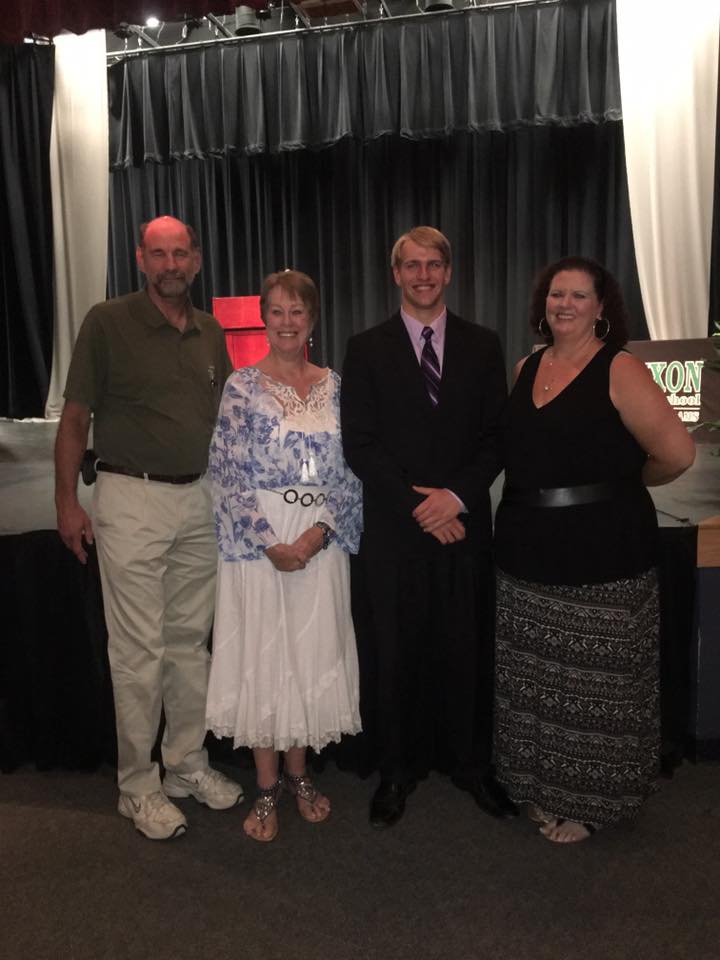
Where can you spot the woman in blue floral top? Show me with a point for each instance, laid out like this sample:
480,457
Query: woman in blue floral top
284,673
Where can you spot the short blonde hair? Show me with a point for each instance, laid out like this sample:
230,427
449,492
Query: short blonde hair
423,237
295,284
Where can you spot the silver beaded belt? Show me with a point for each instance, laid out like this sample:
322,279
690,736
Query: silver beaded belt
307,499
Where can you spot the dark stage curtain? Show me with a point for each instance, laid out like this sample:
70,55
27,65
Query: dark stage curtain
26,255
477,70
317,150
509,202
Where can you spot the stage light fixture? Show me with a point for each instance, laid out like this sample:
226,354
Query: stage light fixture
122,31
191,24
152,22
246,22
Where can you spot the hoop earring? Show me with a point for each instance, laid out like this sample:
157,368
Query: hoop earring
607,330
540,327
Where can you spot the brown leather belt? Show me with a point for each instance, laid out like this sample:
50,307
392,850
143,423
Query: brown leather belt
569,496
157,477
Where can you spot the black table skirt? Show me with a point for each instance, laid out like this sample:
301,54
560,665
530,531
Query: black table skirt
56,705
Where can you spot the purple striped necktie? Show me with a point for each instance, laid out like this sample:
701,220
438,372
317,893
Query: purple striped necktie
430,366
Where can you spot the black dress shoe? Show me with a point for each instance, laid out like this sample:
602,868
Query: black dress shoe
488,795
388,803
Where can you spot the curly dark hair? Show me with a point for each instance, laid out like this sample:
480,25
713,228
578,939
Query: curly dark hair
607,290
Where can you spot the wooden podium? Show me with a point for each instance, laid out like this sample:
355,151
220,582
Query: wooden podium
244,331
708,549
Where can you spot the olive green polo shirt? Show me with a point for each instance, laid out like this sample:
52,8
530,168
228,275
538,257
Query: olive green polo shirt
154,391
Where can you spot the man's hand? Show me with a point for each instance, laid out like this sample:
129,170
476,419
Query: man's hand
437,508
74,526
285,557
70,443
450,532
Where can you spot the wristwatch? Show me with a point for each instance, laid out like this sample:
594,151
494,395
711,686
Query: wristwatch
327,532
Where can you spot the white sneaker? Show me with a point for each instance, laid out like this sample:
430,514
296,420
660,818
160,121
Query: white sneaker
153,815
207,786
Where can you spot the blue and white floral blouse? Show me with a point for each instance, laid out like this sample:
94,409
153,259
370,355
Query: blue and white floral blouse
266,437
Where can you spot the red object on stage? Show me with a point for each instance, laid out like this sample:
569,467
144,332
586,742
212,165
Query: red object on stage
244,331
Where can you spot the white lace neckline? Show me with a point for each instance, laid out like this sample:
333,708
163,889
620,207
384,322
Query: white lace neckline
287,386
293,405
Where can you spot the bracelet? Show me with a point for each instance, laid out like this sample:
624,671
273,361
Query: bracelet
327,532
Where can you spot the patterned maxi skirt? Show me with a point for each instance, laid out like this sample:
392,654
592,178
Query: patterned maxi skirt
577,727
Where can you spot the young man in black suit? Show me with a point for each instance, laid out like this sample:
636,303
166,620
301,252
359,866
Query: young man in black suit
422,399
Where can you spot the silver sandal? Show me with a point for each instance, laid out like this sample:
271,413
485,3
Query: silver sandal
305,789
266,802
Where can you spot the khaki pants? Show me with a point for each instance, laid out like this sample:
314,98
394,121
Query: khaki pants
158,556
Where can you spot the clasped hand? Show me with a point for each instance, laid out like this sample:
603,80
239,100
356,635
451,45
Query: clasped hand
438,514
289,557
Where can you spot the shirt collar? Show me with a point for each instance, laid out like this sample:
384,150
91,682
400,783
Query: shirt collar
415,328
155,317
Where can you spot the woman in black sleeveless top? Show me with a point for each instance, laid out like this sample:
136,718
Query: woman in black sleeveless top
577,723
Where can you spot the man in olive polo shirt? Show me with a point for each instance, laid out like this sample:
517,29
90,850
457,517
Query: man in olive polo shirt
150,368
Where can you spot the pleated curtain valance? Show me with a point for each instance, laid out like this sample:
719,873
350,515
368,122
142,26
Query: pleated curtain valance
481,69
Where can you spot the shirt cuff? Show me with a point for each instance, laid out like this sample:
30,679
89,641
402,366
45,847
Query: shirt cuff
463,508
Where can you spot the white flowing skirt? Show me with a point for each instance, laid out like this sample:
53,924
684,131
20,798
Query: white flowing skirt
284,669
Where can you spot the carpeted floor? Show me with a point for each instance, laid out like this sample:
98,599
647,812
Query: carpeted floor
447,883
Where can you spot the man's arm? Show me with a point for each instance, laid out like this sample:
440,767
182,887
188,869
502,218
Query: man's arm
475,476
360,425
73,522
472,480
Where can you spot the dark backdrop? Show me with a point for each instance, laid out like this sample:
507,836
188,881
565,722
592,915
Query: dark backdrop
26,257
315,151
509,202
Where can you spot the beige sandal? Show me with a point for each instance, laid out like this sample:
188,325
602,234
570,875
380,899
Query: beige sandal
303,788
266,802
588,829
538,815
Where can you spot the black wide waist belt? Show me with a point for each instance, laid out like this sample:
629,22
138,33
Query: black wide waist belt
157,477
569,496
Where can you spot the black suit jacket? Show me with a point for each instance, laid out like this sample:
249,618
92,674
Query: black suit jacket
394,438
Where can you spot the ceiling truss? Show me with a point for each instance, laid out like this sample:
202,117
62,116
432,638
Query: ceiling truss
280,16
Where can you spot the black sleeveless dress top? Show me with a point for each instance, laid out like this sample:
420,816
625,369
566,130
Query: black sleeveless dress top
577,438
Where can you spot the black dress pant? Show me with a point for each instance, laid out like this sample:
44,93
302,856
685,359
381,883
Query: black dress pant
424,628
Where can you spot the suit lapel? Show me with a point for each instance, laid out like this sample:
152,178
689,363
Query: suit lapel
452,364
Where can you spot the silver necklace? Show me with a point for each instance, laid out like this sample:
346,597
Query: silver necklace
551,381
550,359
